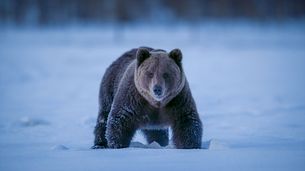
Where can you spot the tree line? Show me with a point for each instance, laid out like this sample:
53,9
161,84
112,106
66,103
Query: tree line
48,12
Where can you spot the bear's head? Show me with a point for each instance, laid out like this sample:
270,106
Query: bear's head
159,76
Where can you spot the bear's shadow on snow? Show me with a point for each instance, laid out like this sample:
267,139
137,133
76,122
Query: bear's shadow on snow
212,144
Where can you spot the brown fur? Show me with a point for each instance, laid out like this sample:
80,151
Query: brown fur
147,89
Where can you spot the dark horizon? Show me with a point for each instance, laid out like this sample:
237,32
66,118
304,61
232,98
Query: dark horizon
58,12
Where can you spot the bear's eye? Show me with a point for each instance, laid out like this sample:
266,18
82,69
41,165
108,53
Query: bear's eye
150,75
165,75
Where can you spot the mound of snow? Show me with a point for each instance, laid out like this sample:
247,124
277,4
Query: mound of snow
31,122
214,144
59,147
153,145
137,144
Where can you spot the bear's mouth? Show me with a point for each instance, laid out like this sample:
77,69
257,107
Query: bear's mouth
158,98
160,101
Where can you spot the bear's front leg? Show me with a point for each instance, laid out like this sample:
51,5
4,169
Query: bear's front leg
187,132
120,129
99,131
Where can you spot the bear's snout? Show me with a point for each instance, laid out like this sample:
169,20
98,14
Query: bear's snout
157,90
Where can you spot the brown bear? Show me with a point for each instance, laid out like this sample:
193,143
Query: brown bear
146,89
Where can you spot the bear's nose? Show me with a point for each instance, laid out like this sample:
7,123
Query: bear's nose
157,90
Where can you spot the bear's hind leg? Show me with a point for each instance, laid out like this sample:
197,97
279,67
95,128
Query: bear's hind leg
159,136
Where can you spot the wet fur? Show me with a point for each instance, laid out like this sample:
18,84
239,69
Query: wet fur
123,110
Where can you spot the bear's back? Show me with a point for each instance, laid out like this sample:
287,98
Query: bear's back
115,72
117,69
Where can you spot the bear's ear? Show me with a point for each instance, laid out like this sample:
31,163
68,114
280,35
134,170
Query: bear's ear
176,55
142,54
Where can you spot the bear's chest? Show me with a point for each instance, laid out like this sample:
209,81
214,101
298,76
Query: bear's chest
155,119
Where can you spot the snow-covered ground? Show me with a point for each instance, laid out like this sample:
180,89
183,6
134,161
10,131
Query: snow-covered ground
247,79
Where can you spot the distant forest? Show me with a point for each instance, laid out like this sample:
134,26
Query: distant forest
53,12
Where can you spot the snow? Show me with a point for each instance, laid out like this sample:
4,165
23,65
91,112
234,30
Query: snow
247,80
